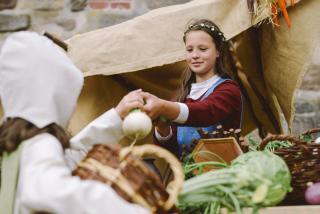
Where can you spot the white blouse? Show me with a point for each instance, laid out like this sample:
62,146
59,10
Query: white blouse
198,89
45,182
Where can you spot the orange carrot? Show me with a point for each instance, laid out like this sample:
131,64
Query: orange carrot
274,14
283,8
292,2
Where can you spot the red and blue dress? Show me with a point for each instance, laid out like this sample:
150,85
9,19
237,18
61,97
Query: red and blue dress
219,102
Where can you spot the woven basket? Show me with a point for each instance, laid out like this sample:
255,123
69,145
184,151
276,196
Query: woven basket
124,170
303,160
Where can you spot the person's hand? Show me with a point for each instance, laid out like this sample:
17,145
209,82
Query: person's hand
130,101
162,127
153,105
156,107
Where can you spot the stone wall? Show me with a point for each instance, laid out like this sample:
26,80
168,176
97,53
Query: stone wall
65,18
308,97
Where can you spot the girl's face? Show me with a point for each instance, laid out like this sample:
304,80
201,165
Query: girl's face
201,54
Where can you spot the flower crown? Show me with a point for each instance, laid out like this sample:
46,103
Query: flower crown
213,29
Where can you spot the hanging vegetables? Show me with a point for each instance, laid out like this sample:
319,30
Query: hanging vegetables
270,8
283,7
255,179
275,19
137,124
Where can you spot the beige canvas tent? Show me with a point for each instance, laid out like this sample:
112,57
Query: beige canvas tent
147,52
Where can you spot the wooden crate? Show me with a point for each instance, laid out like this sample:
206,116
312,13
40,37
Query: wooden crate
224,150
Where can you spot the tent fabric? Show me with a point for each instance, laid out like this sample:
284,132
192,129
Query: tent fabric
151,47
286,54
147,52
153,39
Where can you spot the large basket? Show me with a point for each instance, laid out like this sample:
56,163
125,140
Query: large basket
124,170
303,160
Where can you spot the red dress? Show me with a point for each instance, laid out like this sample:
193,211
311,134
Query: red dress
223,105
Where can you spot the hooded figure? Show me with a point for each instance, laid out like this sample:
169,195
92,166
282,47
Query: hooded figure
40,85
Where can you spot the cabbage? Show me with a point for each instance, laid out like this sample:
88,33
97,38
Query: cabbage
255,179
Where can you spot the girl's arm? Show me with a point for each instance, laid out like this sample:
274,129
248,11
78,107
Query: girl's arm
45,184
169,142
223,104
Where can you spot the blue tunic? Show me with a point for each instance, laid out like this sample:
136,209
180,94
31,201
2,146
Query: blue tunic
187,134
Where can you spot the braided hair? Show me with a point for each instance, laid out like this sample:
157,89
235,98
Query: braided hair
15,130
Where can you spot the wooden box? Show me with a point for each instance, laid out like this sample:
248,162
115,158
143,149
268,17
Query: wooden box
216,149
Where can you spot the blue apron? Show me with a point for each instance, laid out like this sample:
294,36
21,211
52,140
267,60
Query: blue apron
186,134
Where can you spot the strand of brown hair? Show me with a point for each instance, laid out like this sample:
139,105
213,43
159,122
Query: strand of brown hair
13,131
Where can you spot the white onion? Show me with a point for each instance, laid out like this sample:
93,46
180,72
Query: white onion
318,140
137,124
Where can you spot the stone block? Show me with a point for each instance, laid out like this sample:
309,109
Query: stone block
162,3
307,101
311,80
67,24
47,5
9,23
305,121
78,5
307,113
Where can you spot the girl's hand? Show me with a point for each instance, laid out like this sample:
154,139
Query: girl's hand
130,101
163,128
156,107
153,105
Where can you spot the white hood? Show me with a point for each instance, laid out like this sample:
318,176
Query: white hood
38,82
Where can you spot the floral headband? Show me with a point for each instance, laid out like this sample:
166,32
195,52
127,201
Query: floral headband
209,27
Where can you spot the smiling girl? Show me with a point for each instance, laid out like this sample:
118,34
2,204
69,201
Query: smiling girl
208,96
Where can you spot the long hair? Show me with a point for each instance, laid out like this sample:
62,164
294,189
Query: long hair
222,46
15,130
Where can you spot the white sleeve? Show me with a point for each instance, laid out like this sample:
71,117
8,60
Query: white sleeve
161,138
183,114
46,183
106,129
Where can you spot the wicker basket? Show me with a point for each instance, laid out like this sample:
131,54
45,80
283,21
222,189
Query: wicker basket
303,160
130,177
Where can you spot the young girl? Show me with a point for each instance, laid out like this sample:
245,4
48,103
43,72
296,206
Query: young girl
39,87
208,96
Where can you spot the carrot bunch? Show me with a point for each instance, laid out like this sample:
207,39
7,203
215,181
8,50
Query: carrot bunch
282,4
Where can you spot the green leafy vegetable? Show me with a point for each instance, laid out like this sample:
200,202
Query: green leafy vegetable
277,144
253,143
255,179
306,138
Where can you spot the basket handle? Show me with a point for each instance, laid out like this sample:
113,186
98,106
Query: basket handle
282,137
311,131
175,185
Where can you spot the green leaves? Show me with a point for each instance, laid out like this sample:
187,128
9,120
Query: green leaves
255,179
306,138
